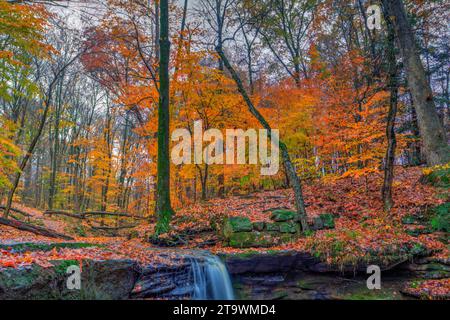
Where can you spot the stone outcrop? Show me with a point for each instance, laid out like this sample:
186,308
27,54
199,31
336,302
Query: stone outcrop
240,232
100,280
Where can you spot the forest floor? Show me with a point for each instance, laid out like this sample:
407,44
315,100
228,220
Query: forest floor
361,227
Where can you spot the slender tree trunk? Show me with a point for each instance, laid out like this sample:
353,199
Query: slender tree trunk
390,128
27,156
164,209
55,153
289,167
433,135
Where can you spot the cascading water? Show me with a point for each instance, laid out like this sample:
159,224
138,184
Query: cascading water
210,278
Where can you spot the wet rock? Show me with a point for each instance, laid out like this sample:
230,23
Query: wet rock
269,263
154,286
269,280
184,291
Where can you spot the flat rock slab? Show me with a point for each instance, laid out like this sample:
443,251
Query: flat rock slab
283,261
288,261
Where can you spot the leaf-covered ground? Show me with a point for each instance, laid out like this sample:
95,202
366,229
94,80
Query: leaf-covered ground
362,230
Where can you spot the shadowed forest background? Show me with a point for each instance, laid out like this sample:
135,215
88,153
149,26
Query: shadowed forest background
90,92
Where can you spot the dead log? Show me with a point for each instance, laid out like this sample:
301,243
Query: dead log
106,228
23,213
33,229
113,214
63,213
83,215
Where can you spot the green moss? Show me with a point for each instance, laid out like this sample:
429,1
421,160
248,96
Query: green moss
37,246
289,227
327,220
441,218
259,239
283,215
236,224
272,227
259,226
62,265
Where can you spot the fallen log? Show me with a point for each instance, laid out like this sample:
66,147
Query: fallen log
106,228
63,213
33,229
113,214
25,214
83,215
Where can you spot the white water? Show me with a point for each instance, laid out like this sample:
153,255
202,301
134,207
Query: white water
211,278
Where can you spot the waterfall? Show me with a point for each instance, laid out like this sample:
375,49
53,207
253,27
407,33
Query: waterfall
210,278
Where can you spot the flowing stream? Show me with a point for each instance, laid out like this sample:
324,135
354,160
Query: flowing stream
210,278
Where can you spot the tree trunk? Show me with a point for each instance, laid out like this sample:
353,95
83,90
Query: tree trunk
164,209
289,167
25,159
33,229
386,191
435,144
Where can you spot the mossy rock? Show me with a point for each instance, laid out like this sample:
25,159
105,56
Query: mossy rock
236,224
259,226
328,220
283,216
251,239
40,246
323,221
289,227
287,238
273,227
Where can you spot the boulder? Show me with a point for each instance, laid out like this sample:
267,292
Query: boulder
100,280
236,224
283,215
31,282
109,279
259,226
289,227
272,227
251,239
